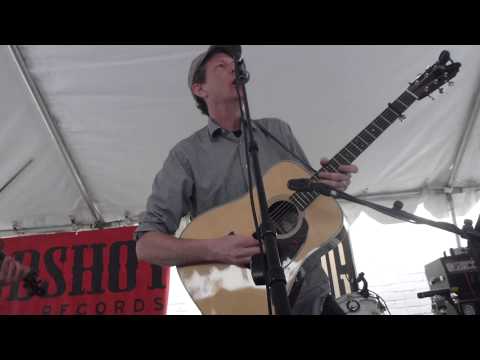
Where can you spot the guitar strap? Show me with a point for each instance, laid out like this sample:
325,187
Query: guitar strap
295,290
285,147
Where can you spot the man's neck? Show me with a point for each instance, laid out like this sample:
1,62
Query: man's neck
226,116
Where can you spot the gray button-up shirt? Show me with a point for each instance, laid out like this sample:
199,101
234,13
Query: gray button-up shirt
209,169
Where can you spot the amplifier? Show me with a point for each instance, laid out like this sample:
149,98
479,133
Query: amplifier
457,274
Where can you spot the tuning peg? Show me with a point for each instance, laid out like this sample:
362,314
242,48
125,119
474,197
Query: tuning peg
441,91
451,83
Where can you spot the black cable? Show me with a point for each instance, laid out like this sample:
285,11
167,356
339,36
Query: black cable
269,134
384,303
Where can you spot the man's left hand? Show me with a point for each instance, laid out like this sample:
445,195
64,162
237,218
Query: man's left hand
339,180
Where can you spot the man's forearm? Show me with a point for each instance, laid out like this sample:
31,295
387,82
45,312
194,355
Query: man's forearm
166,250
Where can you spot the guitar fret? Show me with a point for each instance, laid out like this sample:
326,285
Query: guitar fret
369,133
363,141
347,156
396,115
389,115
369,141
330,169
378,127
387,120
373,130
401,102
407,98
409,92
353,149
382,123
336,163
340,155
356,146
353,155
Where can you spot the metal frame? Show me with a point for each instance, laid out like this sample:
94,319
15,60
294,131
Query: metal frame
413,193
466,137
54,132
63,228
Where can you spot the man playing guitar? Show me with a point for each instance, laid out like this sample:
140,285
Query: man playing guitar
208,169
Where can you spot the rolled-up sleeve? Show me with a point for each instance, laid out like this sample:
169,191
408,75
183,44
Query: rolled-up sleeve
171,197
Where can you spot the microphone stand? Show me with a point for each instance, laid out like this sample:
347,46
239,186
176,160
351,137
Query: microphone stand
274,275
467,232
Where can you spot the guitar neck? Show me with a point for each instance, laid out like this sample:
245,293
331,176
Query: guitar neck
359,144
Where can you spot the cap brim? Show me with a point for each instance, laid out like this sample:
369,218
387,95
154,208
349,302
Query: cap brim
233,50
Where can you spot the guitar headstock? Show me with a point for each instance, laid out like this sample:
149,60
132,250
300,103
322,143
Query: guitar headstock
435,76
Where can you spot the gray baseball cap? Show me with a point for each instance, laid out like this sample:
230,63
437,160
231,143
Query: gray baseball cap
233,50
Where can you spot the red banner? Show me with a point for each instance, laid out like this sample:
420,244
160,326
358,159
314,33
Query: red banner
86,273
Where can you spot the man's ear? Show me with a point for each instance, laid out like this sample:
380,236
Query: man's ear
197,90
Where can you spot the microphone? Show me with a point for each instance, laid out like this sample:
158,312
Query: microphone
307,185
235,51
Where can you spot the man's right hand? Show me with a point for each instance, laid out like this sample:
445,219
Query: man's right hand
234,249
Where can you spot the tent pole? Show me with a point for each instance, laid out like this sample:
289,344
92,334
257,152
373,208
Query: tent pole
54,132
467,135
451,205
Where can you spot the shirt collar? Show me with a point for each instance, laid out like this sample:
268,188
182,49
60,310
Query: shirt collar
214,129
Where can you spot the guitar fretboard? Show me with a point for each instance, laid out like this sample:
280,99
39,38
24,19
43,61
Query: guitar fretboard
358,145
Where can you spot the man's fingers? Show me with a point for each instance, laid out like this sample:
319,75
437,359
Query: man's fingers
244,262
352,169
245,241
334,176
249,252
348,169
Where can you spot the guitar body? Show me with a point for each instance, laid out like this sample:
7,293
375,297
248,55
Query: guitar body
228,289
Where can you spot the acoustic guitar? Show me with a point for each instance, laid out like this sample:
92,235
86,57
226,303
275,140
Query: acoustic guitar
304,222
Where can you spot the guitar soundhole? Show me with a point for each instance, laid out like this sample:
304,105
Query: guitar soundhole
284,215
290,227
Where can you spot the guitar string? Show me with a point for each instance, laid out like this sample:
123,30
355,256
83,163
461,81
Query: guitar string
284,209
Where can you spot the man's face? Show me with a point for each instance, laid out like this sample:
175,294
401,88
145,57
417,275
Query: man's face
219,83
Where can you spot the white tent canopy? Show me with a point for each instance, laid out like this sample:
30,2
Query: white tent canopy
86,128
